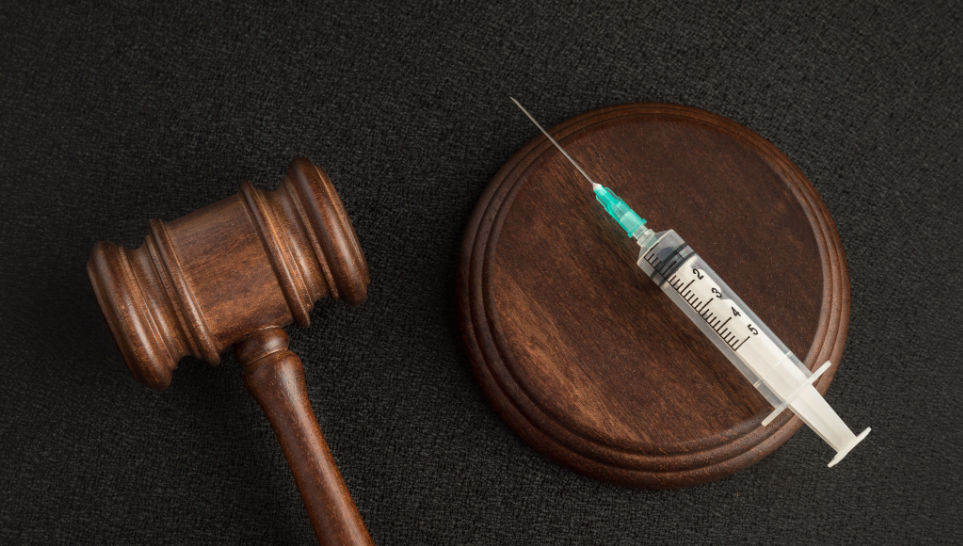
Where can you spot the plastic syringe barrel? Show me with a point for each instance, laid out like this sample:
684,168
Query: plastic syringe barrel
736,331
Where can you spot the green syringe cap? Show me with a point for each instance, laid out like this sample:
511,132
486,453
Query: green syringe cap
617,209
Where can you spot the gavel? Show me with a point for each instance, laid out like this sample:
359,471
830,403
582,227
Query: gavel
234,274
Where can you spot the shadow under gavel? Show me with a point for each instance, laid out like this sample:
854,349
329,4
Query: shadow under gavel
233,274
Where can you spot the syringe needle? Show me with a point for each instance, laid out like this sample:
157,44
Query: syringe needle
595,184
615,206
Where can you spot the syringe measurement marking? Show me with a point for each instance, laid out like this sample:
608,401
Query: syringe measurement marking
694,302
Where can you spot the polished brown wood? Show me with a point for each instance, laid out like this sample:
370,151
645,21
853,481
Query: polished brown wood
234,273
274,376
582,355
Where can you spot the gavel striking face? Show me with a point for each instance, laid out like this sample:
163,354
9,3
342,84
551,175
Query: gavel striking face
233,274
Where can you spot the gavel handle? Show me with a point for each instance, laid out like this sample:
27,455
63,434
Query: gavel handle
273,374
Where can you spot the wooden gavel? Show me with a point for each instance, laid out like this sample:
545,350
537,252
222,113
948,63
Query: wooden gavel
235,273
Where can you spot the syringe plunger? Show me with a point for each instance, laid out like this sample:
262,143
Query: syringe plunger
741,336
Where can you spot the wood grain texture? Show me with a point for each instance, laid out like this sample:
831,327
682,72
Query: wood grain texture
274,376
235,272
583,355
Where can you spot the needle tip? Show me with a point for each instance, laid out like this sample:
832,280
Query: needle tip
555,143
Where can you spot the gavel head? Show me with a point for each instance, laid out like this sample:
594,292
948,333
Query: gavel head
210,279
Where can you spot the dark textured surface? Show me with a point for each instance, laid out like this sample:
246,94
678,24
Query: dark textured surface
114,115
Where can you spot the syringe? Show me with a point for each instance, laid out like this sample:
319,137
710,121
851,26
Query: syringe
726,320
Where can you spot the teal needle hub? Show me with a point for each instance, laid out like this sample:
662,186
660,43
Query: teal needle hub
618,210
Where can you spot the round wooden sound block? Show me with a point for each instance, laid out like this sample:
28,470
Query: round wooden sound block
576,347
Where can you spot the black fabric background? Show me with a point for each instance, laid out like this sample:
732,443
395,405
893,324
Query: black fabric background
113,115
